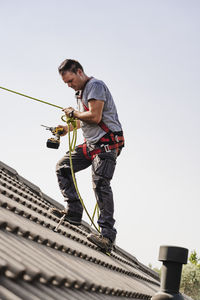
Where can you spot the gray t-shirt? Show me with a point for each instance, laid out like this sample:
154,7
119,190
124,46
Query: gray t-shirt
96,89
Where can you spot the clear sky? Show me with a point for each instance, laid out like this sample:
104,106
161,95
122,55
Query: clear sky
147,52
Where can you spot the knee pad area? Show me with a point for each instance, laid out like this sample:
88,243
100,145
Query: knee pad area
101,184
64,171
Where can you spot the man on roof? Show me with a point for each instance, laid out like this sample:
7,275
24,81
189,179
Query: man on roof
96,115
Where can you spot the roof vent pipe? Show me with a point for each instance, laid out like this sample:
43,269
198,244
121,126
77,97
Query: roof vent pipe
173,258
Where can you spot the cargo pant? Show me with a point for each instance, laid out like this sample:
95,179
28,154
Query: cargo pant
103,166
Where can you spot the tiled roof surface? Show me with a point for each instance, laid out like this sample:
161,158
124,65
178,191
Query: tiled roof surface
38,263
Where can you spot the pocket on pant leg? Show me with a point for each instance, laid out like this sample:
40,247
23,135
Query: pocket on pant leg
104,166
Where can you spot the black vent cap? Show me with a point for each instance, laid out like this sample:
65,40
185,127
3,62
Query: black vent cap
173,254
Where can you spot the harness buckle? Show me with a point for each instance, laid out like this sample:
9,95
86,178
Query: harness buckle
116,138
106,147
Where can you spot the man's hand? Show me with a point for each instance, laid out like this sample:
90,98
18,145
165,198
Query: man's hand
69,111
65,129
93,115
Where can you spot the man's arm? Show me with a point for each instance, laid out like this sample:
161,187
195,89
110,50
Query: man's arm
93,115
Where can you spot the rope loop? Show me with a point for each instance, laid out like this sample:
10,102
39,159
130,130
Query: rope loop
71,122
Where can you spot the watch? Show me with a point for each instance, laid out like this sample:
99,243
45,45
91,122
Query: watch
71,114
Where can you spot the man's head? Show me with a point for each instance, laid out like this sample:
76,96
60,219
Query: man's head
73,74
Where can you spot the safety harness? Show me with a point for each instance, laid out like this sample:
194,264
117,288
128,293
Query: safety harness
111,140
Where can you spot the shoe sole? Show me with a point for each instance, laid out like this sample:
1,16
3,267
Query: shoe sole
56,213
59,215
75,223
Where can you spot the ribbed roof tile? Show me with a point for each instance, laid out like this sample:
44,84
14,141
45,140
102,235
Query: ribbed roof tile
43,264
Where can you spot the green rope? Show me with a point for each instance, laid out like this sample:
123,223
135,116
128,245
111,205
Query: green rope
72,145
96,211
3,88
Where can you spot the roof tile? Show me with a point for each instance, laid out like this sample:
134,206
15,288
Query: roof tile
32,252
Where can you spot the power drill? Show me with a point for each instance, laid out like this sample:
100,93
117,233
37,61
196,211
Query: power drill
57,132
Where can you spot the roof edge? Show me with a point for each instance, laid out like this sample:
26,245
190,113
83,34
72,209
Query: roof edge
134,260
52,201
31,186
10,170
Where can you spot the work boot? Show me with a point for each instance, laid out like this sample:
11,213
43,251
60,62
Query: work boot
71,217
57,212
102,242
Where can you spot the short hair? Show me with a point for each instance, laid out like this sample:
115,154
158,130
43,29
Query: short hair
69,65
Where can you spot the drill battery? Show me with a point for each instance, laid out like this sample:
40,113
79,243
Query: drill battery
54,142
